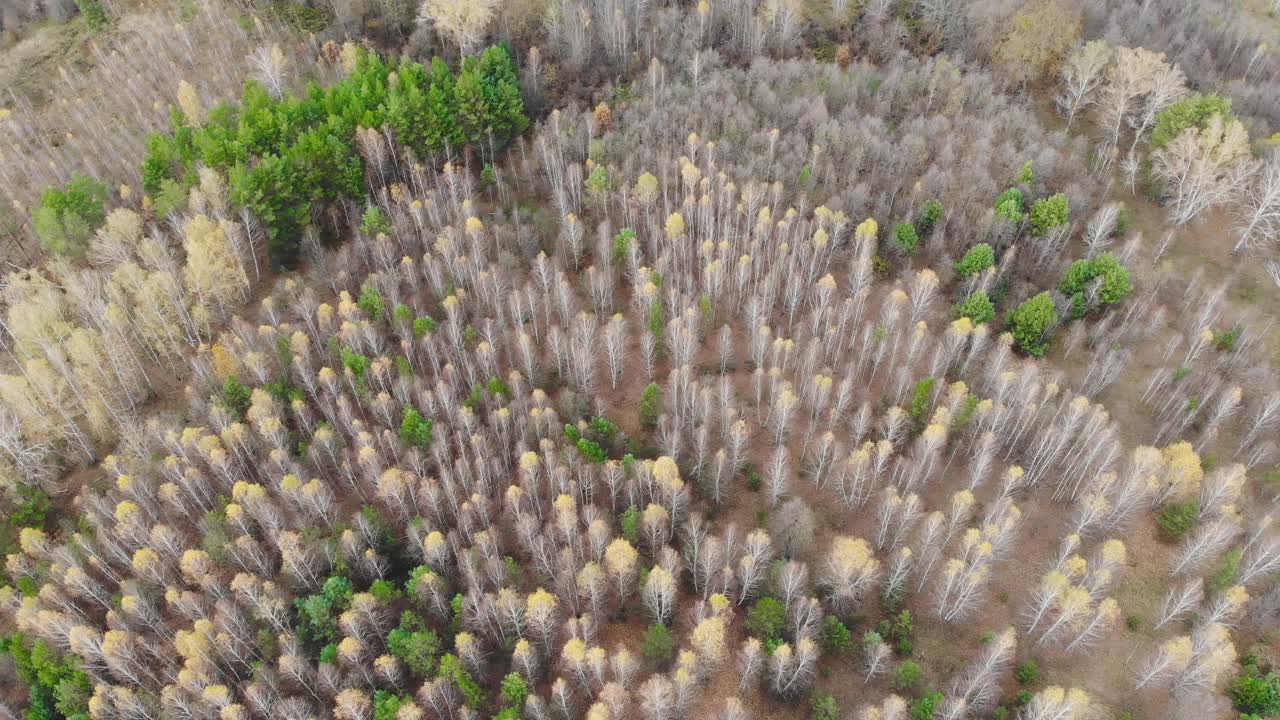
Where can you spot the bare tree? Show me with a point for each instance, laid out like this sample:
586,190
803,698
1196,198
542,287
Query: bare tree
1204,167
1082,75
1259,222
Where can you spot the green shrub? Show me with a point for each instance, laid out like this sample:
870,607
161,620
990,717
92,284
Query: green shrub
422,326
622,245
1032,322
375,222
1133,622
370,302
1224,575
1116,284
592,451
907,675
822,706
922,402
629,521
1009,205
977,307
650,404
56,688
898,631
318,613
1190,112
451,668
384,591
925,707
67,218
1225,340
415,430
976,259
386,704
659,645
236,397
94,13
32,508
514,690
767,618
904,234
1027,673
1048,213
1027,175
355,362
929,216
1177,518
1251,692
836,637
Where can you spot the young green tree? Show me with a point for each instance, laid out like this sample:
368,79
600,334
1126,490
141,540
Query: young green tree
414,645
659,645
1009,205
68,217
1033,321
907,675
1048,213
976,259
766,619
922,402
904,234
977,307
650,405
415,430
1115,286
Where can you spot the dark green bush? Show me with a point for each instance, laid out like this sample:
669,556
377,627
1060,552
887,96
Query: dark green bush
898,631
629,521
1177,518
836,637
767,618
650,404
929,216
386,704
822,706
659,645
318,614
236,397
1027,673
1251,692
451,668
907,675
925,707
56,688
374,221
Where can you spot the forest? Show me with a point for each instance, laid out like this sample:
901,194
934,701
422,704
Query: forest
639,359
